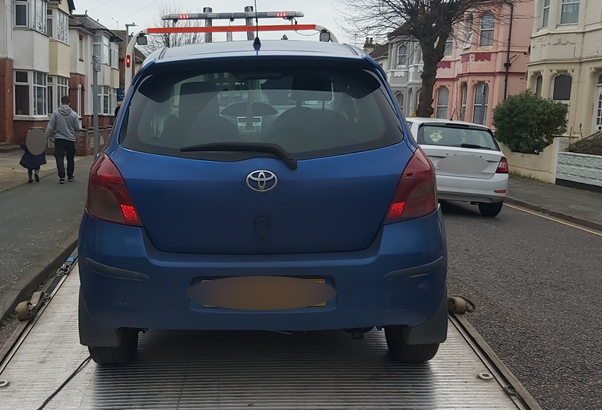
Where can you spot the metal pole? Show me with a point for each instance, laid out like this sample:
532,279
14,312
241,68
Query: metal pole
208,23
508,64
95,70
249,22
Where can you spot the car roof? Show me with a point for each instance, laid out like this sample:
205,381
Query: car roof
272,48
444,121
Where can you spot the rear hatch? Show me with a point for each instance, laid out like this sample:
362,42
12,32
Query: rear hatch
318,178
444,140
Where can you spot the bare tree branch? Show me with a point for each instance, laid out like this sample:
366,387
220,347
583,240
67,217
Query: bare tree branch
156,42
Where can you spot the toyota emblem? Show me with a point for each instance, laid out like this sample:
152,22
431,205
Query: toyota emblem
262,181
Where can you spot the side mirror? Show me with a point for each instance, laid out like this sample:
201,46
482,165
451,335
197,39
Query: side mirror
142,40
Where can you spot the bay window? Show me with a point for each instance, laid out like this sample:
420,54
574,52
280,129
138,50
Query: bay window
31,14
31,98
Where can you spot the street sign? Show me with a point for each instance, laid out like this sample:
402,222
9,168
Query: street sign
96,63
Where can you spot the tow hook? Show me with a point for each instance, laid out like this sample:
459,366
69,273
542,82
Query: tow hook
29,309
459,305
358,334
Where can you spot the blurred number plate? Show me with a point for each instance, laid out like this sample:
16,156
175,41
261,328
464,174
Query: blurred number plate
322,281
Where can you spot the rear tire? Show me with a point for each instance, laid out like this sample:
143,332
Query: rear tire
123,354
491,210
405,353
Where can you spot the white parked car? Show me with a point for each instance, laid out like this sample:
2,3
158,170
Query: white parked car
469,164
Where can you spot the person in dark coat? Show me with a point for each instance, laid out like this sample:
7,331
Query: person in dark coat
32,162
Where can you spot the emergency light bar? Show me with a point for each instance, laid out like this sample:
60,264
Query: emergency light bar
325,36
231,16
231,29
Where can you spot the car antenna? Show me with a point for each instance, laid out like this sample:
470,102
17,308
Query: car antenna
256,43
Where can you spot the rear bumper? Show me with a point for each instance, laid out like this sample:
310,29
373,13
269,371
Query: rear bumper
472,189
399,280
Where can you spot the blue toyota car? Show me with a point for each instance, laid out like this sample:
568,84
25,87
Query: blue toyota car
277,190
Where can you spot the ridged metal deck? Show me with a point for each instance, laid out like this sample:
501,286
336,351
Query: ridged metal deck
240,370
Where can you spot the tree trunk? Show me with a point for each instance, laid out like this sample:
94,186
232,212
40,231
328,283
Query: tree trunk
429,73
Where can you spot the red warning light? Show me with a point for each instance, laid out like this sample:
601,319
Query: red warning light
184,16
127,61
280,14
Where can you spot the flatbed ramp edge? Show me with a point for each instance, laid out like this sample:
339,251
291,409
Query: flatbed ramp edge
236,370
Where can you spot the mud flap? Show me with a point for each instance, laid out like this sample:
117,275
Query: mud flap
92,333
433,330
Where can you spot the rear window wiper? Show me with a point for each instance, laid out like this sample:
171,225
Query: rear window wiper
246,146
473,146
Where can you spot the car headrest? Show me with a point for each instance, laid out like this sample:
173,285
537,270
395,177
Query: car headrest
196,98
311,88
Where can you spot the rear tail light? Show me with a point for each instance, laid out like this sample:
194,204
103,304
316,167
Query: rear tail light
502,167
416,193
108,197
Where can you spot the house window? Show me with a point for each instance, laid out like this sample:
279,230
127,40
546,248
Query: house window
57,88
50,23
399,98
562,87
487,26
39,94
545,15
62,27
598,119
402,55
442,101
51,94
114,55
30,93
105,100
464,100
21,19
570,12
81,48
538,85
562,90
468,39
100,48
481,92
39,16
22,93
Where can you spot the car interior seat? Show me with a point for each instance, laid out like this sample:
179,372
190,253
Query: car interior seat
199,115
317,128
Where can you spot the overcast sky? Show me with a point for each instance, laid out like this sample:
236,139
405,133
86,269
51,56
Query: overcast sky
114,14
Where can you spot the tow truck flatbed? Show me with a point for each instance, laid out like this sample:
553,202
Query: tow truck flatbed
236,370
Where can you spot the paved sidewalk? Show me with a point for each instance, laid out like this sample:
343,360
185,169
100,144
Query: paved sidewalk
576,205
12,174
36,220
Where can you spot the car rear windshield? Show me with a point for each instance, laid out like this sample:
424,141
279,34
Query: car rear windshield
456,136
308,110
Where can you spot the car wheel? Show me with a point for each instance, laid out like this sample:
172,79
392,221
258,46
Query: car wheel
123,354
405,353
491,210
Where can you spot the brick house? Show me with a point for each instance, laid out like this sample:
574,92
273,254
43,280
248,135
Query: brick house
89,38
34,63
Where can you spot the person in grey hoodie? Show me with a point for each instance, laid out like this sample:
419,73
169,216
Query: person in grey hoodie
66,123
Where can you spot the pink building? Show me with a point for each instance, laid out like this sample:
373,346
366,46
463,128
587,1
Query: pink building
479,70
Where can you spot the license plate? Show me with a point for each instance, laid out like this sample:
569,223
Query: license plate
322,281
